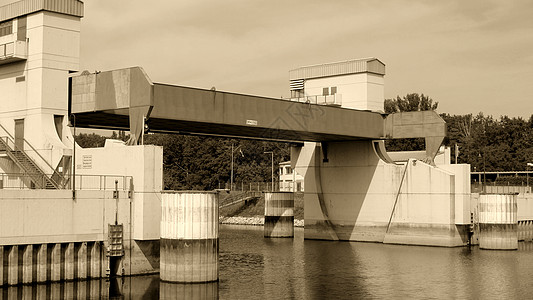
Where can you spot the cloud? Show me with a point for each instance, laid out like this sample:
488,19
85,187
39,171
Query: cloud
454,51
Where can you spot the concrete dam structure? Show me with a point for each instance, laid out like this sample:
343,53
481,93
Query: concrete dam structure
69,213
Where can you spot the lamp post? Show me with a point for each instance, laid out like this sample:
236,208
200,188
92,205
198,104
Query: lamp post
527,175
232,152
73,124
272,153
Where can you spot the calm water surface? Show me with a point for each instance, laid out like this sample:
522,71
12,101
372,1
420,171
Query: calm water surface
252,267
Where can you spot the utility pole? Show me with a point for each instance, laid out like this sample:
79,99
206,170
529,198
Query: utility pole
527,175
73,124
456,153
233,151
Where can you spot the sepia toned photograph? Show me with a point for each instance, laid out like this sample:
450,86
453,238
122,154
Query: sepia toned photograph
266,149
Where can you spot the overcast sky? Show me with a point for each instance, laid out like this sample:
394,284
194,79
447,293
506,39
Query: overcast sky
470,56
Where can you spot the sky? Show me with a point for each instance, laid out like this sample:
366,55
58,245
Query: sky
470,56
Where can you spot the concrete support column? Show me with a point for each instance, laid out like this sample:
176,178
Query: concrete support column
189,237
54,250
95,260
41,259
69,261
2,265
13,265
80,258
27,263
498,223
279,214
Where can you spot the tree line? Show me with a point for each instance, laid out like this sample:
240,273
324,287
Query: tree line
204,163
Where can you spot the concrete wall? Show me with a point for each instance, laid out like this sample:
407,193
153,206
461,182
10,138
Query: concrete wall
525,206
52,216
355,195
363,91
51,219
145,165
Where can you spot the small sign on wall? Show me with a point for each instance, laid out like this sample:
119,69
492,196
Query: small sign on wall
87,162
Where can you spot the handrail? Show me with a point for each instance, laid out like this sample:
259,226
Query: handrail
84,180
26,143
5,130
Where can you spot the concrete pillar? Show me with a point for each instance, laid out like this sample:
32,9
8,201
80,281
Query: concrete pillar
41,259
54,250
13,265
2,265
27,263
69,261
95,260
189,237
80,254
498,222
279,214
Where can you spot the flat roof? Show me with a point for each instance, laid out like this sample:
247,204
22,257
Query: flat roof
26,7
353,66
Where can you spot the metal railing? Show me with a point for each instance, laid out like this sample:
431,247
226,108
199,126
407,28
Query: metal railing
24,149
253,186
20,181
335,99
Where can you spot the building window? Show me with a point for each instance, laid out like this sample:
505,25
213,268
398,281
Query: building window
288,170
333,90
325,91
297,93
280,171
6,28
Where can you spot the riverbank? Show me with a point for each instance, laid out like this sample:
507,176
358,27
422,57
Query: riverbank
256,221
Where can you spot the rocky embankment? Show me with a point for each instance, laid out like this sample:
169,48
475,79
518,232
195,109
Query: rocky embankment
257,221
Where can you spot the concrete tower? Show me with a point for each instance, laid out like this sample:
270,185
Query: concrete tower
39,46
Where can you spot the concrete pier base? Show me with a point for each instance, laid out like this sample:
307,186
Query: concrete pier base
498,224
95,259
69,261
189,237
41,262
80,257
279,214
27,263
12,265
54,251
2,265
353,193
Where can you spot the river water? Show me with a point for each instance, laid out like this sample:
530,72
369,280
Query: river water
252,267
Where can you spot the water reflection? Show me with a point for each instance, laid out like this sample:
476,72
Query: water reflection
252,267
188,291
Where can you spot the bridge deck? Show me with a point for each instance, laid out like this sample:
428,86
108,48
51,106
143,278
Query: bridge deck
120,99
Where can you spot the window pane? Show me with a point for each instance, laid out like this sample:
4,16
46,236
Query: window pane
333,90
325,91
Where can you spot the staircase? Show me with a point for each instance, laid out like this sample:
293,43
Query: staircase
39,179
